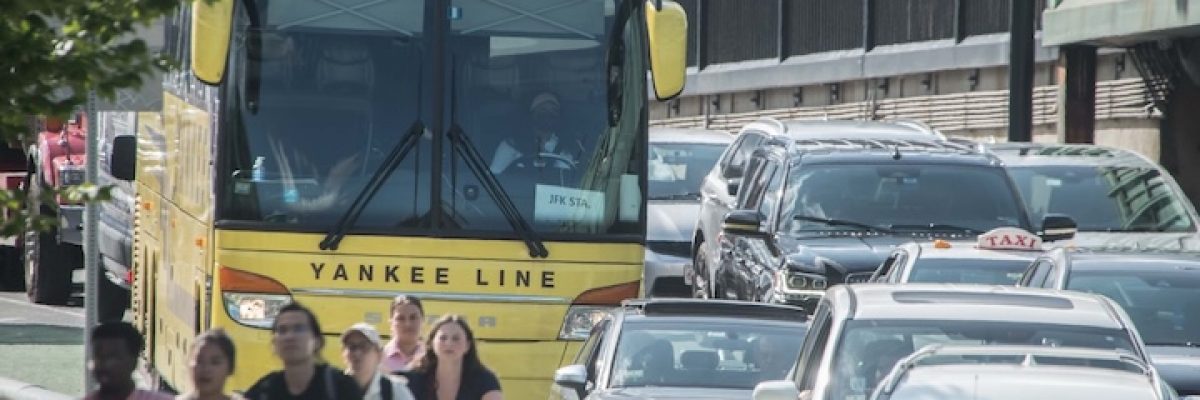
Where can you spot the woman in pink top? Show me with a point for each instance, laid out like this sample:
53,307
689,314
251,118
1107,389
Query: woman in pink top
408,317
115,349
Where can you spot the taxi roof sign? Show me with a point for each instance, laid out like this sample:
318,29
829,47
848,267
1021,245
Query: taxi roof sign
1009,238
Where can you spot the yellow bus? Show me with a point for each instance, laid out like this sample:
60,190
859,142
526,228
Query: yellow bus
487,156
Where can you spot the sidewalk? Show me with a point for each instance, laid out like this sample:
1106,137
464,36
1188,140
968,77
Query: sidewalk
17,390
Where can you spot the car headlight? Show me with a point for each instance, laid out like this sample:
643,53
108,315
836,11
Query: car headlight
578,323
790,280
71,175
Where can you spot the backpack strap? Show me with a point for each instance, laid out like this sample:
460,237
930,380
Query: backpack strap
385,388
330,391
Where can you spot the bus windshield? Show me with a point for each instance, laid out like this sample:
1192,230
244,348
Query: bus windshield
319,94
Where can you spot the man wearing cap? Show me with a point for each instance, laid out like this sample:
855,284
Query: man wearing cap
544,113
362,349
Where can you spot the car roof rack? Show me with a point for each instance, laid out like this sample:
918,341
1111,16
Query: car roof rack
901,145
718,308
1030,355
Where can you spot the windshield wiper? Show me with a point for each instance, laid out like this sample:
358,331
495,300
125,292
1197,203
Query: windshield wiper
842,222
406,144
933,227
676,196
462,145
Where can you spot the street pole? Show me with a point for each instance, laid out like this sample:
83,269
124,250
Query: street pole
1022,15
91,250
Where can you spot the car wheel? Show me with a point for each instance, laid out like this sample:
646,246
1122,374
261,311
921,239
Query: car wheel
700,280
113,301
12,272
48,266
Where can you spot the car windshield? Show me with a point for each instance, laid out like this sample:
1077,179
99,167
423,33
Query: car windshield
870,348
1105,199
708,353
952,198
676,169
1164,304
991,272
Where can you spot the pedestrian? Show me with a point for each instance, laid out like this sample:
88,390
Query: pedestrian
405,347
296,337
362,350
210,365
451,368
115,349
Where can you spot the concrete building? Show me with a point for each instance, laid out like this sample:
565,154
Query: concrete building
1162,37
944,62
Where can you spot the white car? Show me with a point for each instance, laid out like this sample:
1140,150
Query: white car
1021,372
860,331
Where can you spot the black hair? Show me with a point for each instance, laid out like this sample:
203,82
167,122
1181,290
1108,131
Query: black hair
123,331
314,327
218,338
402,300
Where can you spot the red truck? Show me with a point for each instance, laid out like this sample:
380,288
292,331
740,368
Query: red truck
55,160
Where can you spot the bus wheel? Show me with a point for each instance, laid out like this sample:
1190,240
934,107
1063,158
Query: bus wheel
48,266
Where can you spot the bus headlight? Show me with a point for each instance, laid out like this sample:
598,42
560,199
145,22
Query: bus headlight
590,307
251,299
578,323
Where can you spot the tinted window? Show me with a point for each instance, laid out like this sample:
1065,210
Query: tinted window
903,197
725,354
677,169
870,348
735,166
1164,305
998,272
1103,198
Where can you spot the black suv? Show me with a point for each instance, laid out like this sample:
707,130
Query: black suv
821,212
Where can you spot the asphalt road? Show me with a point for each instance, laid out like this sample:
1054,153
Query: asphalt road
42,345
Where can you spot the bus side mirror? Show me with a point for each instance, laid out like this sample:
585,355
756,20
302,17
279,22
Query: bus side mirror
667,29
211,26
123,164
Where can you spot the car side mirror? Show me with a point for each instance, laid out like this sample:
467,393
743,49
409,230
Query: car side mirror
1058,227
743,223
123,164
735,184
776,390
572,377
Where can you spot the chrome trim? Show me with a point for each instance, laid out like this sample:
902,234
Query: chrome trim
475,297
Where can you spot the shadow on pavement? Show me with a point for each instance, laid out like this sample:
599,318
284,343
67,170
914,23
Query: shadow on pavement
40,334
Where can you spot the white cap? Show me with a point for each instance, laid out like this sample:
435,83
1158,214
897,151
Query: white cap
367,330
543,99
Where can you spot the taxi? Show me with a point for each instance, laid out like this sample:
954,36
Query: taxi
997,257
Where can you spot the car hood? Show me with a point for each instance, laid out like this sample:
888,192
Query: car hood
1141,240
849,253
671,393
670,220
1179,366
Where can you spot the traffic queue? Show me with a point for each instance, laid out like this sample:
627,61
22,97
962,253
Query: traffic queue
839,260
